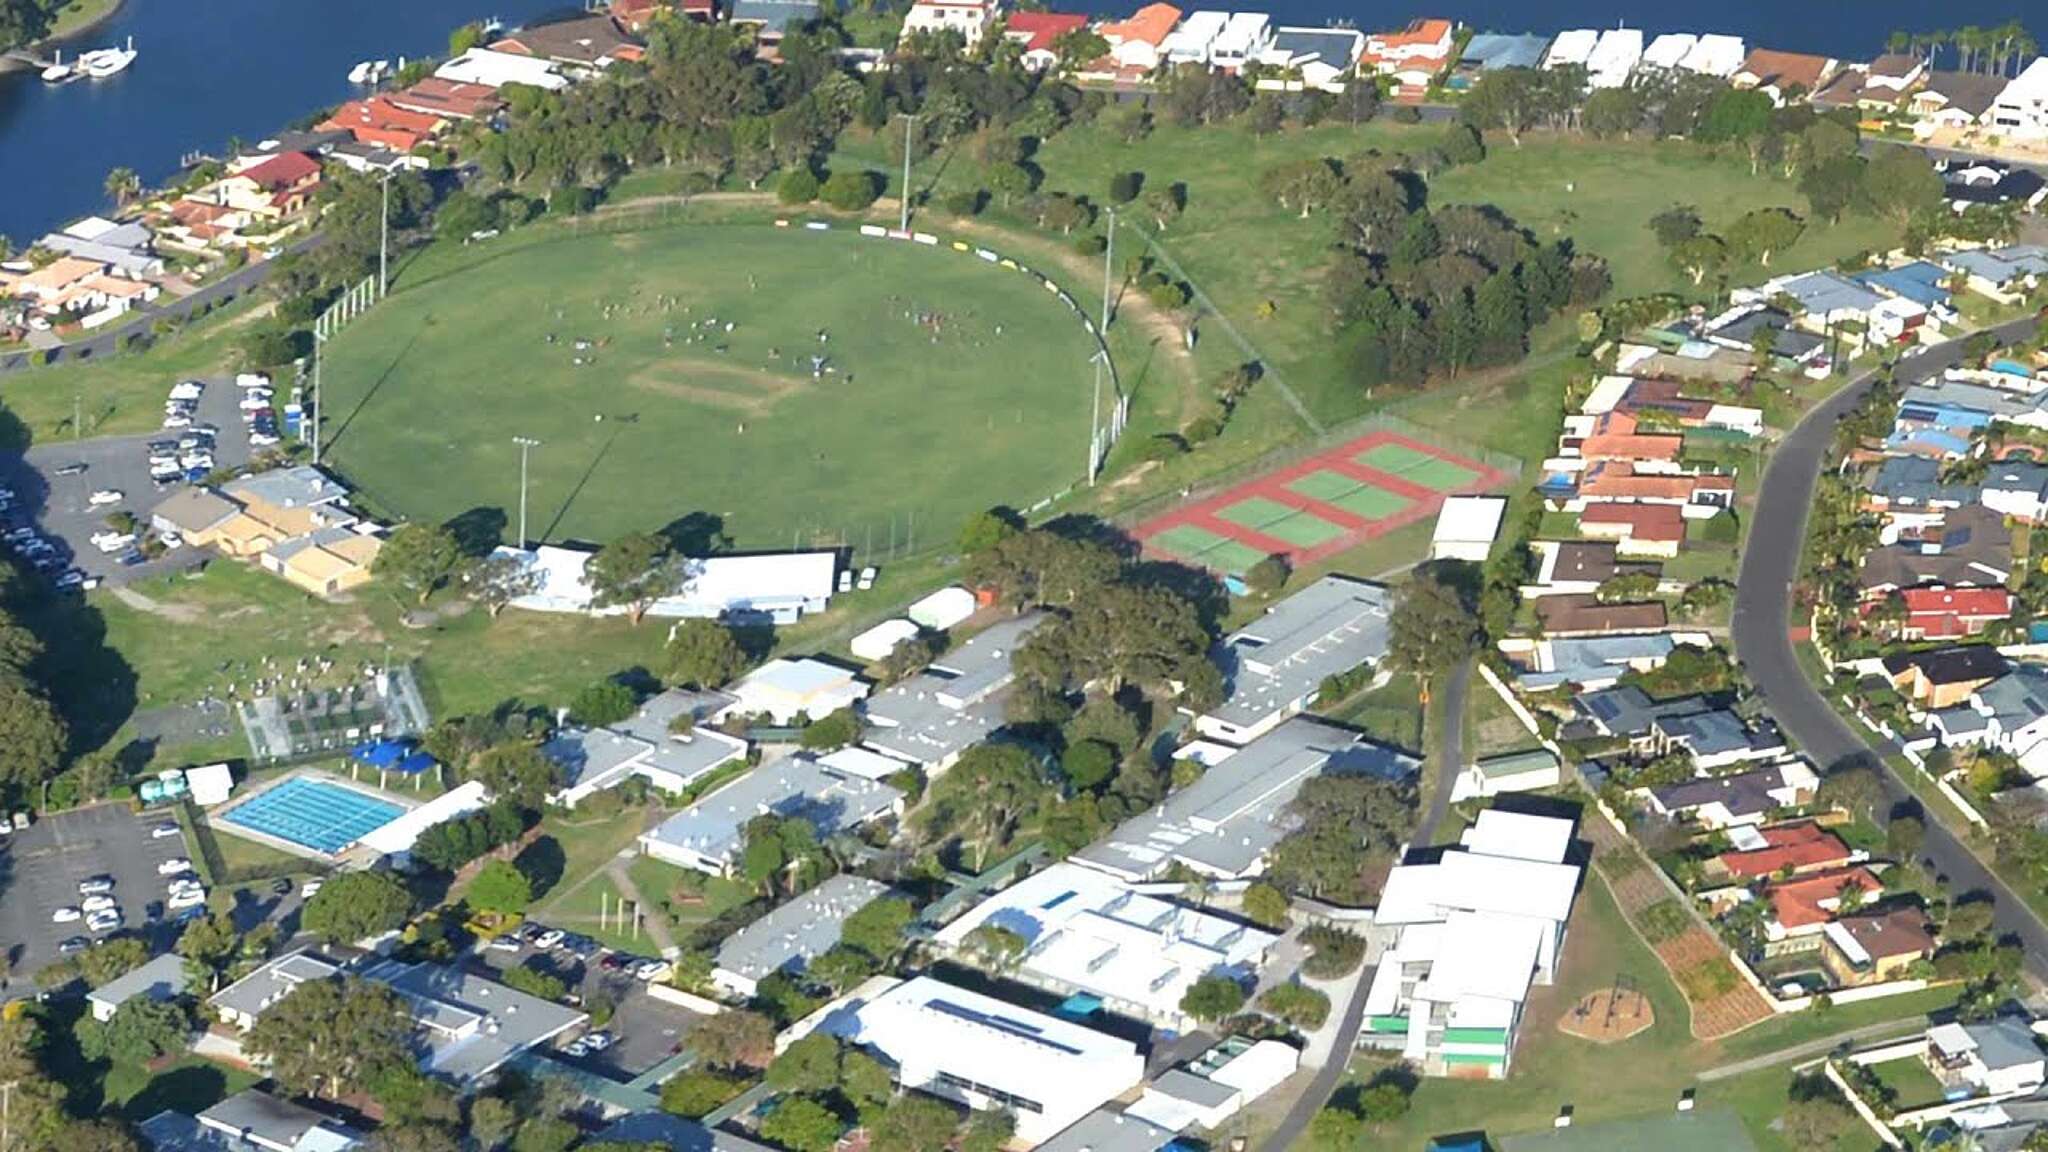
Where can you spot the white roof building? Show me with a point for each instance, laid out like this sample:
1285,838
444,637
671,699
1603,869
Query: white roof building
1244,36
645,744
1572,47
1217,1085
769,587
876,643
1478,928
1614,57
211,784
708,835
942,609
1190,43
969,18
792,934
2021,110
784,690
1668,51
986,1053
1274,666
396,838
496,69
1466,528
931,718
1089,932
1716,55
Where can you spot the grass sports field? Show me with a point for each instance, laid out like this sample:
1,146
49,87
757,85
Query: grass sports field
789,382
1318,506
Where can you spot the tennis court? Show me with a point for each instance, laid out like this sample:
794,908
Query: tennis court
318,815
1201,546
1416,466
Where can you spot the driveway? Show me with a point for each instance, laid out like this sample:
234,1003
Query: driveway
58,507
41,866
1763,643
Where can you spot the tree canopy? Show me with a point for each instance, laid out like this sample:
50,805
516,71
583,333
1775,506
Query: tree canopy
357,905
333,1037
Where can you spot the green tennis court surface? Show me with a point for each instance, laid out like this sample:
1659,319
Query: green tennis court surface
1303,530
1201,546
1325,485
1369,503
1416,467
1255,513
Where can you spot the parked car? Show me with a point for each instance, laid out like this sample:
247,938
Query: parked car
576,1048
188,898
549,938
175,866
104,496
76,468
311,888
72,945
20,821
185,884
506,943
103,921
92,904
598,1041
166,830
65,915
96,885
650,970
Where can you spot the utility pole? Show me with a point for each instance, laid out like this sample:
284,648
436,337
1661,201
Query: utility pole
1108,262
1095,417
384,241
525,443
903,221
314,428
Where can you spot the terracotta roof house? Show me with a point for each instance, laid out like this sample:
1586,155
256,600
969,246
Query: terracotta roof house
635,15
1801,847
278,186
380,121
1947,613
1876,946
1805,904
1584,615
1781,74
1636,529
592,41
1414,56
1944,677
1134,43
449,99
1038,32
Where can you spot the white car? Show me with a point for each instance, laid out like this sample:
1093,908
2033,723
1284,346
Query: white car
171,539
576,1048
503,944
598,1041
96,886
548,939
254,402
103,921
651,970
165,831
93,904
104,496
186,898
111,541
175,866
184,884
66,915
312,888
188,390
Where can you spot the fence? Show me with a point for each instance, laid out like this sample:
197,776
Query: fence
353,303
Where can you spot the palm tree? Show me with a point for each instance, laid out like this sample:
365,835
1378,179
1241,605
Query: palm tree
1899,41
122,186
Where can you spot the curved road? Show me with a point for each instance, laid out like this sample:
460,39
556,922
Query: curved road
1763,644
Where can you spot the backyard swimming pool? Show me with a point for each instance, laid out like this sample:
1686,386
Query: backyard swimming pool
319,815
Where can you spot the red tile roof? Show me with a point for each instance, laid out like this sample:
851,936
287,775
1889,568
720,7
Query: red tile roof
1149,24
1797,903
1785,69
1038,30
1429,30
1654,522
379,121
281,171
1797,846
449,98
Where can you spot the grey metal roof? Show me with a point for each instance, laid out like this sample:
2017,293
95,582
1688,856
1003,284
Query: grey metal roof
1200,1091
1491,51
952,705
466,1025
269,1121
1576,659
1917,480
2004,1043
1790,342
193,509
1225,822
1337,47
2016,476
675,1132
600,757
160,979
1106,1131
2017,698
800,930
774,15
1513,763
1706,733
257,991
1973,549
1626,710
302,486
1827,291
1742,793
1326,629
833,801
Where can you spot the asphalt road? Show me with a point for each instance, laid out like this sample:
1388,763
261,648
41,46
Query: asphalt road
1763,644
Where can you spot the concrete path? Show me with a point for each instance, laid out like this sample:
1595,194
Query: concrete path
656,925
1457,691
1820,1046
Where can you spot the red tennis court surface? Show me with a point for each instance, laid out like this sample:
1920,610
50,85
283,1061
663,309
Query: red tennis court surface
1317,507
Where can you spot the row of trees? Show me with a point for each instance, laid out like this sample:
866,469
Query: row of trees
1991,51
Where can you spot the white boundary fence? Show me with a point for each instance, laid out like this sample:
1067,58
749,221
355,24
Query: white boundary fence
353,303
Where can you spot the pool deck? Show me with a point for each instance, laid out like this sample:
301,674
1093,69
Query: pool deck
293,847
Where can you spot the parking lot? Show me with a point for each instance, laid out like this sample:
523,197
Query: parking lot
643,1031
60,508
41,866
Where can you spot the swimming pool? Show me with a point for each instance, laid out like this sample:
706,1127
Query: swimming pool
316,814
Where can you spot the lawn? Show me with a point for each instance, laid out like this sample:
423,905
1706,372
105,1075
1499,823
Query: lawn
1908,1078
1495,730
1391,713
133,1092
733,371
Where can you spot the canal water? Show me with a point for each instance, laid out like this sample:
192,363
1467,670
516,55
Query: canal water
215,69
209,70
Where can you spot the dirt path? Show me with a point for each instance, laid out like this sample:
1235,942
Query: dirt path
180,613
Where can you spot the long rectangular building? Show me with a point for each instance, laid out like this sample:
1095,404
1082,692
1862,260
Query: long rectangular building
1274,666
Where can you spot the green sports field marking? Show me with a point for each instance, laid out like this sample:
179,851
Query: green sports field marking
1440,475
1232,557
1325,485
1255,512
1303,530
1372,503
1392,458
1186,541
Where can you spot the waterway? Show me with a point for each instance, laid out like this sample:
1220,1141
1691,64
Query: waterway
212,70
209,70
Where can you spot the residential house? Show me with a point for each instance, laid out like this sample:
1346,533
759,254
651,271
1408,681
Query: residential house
1665,53
2014,712
1414,56
1190,42
1996,1057
1528,771
667,742
2021,109
1589,663
1877,947
486,68
1088,933
1577,567
708,835
163,978
771,20
1582,614
1715,55
1718,802
273,188
1944,677
1806,905
448,99
1787,850
1136,45
1638,530
1667,399
792,934
1942,613
1626,711
1038,34
968,19
1988,182
789,691
986,1053
1490,52
1740,329
1614,435
1478,929
1970,548
1937,424
579,45
1324,59
1699,495
381,121
1614,56
1242,40
1953,101
125,249
1783,75
1274,666
1879,87
931,718
1224,823
249,1121
1714,738
2005,274
1909,490
1571,49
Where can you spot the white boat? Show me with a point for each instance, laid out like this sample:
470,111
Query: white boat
58,71
104,62
360,74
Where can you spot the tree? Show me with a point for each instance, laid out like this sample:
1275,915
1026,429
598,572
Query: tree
1339,1129
1901,185
1904,834
632,572
878,929
1088,765
516,771
1298,1004
703,653
835,729
807,1065
500,888
1625,587
1125,186
30,729
1164,202
1383,1100
1968,919
1268,576
988,1130
530,979
545,1134
96,1136
1303,186
1832,185
500,578
1433,627
850,191
985,530
1675,225
603,703
492,1122
209,944
109,960
356,905
122,185
840,968
1764,231
1854,789
332,1036
1700,257
801,1124
984,797
418,557
915,1122
142,1029
1212,998
696,1091
797,186
736,1039
1145,635
1611,112
1265,905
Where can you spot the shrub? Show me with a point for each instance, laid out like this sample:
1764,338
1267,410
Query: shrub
571,200
798,186
1125,186
1268,576
534,982
696,1091
965,202
1333,952
603,703
850,191
1090,244
1303,1007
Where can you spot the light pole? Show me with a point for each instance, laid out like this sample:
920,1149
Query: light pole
313,429
903,219
525,443
1108,261
1095,416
